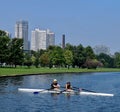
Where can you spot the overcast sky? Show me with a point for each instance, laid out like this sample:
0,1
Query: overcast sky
86,22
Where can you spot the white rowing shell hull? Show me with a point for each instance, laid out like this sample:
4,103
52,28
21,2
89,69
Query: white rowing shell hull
30,90
97,94
37,90
72,92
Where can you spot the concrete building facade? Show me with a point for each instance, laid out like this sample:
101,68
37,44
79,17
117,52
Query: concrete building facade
42,39
21,31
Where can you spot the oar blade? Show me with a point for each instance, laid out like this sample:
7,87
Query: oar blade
36,92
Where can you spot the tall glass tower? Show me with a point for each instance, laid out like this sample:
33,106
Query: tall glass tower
21,31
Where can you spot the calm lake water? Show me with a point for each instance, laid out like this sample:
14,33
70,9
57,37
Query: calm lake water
11,100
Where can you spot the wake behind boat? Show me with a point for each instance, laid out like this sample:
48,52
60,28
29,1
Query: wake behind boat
65,92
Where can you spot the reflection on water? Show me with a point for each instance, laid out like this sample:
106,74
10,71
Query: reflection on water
8,83
54,96
14,101
16,80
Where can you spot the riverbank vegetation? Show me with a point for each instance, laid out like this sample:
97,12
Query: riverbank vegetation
33,70
55,59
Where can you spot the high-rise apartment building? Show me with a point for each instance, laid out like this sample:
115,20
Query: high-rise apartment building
42,39
21,31
50,38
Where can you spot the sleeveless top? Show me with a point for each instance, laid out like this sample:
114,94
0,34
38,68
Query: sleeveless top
69,87
52,85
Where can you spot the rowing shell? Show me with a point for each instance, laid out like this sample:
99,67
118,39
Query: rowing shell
37,90
69,92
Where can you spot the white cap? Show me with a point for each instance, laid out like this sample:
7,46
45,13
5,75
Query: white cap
55,80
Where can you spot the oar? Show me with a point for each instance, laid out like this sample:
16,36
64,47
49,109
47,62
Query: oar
84,89
36,92
74,88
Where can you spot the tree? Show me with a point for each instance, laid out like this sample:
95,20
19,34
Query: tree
78,55
16,52
37,58
56,56
117,59
44,59
89,53
106,60
69,47
68,56
4,45
78,52
92,63
2,33
27,60
73,49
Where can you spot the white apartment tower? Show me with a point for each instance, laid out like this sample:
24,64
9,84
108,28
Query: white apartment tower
21,31
42,39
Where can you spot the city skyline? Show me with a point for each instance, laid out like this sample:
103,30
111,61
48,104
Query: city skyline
85,22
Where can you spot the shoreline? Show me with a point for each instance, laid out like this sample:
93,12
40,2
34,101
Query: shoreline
14,72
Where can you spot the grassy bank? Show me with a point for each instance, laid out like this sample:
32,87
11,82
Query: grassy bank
27,71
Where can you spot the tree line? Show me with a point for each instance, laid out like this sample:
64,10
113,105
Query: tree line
12,55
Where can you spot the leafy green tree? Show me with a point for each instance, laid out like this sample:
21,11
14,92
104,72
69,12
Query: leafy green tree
73,50
117,59
92,63
69,47
27,60
4,45
37,62
79,56
106,60
44,59
35,55
2,33
51,48
37,59
68,56
56,56
50,52
33,59
89,53
16,52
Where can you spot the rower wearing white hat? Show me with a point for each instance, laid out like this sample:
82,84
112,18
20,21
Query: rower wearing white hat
55,84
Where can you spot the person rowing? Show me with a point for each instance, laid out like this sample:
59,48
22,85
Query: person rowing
55,85
68,87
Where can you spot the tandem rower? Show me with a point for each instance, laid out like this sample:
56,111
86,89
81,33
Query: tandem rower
55,85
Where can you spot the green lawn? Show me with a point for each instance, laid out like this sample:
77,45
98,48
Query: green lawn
26,71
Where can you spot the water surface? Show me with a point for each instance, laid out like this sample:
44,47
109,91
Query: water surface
11,100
